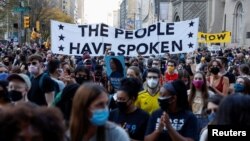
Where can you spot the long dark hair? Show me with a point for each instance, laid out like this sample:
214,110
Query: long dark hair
79,121
234,110
181,93
118,65
204,92
47,121
184,74
65,103
131,86
4,96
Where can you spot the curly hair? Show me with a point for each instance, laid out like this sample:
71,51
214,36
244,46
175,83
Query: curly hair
131,86
47,121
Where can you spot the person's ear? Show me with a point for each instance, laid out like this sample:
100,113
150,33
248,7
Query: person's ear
173,99
41,64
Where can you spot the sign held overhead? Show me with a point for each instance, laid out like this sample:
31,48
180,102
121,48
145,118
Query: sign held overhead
158,39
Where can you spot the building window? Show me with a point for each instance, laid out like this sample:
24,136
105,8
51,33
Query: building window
237,27
176,17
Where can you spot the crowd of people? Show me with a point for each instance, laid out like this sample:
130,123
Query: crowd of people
52,97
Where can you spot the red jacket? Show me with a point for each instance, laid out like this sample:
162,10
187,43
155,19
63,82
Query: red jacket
171,77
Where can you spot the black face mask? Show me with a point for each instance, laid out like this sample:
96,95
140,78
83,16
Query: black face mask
81,80
6,63
122,106
215,70
2,94
15,95
164,103
127,64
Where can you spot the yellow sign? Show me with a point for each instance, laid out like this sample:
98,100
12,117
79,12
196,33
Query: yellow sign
224,37
37,26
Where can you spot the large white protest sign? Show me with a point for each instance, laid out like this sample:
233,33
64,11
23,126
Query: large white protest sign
157,39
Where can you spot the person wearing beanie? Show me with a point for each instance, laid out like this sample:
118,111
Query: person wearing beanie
18,88
174,120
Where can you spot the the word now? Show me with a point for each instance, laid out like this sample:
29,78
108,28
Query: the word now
214,37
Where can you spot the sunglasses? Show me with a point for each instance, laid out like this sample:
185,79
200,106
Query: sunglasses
209,111
32,63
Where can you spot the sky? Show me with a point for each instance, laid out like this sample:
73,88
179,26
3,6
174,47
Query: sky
100,11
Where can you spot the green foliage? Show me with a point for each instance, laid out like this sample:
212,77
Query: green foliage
41,10
47,10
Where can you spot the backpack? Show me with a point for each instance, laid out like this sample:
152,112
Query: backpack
56,86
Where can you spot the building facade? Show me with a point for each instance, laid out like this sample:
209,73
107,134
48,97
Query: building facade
116,17
230,15
131,12
73,8
190,9
80,11
123,14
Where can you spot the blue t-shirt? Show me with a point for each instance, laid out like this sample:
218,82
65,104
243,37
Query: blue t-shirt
184,122
115,79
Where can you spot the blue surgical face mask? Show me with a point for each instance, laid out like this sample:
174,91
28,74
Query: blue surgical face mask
239,87
3,76
99,117
211,116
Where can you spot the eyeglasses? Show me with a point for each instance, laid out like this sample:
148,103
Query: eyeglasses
33,63
209,111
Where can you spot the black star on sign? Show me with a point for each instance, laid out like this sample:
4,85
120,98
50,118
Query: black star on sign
191,24
190,45
61,27
61,48
190,35
61,37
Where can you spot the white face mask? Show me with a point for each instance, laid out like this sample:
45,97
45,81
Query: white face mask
152,83
33,69
155,66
